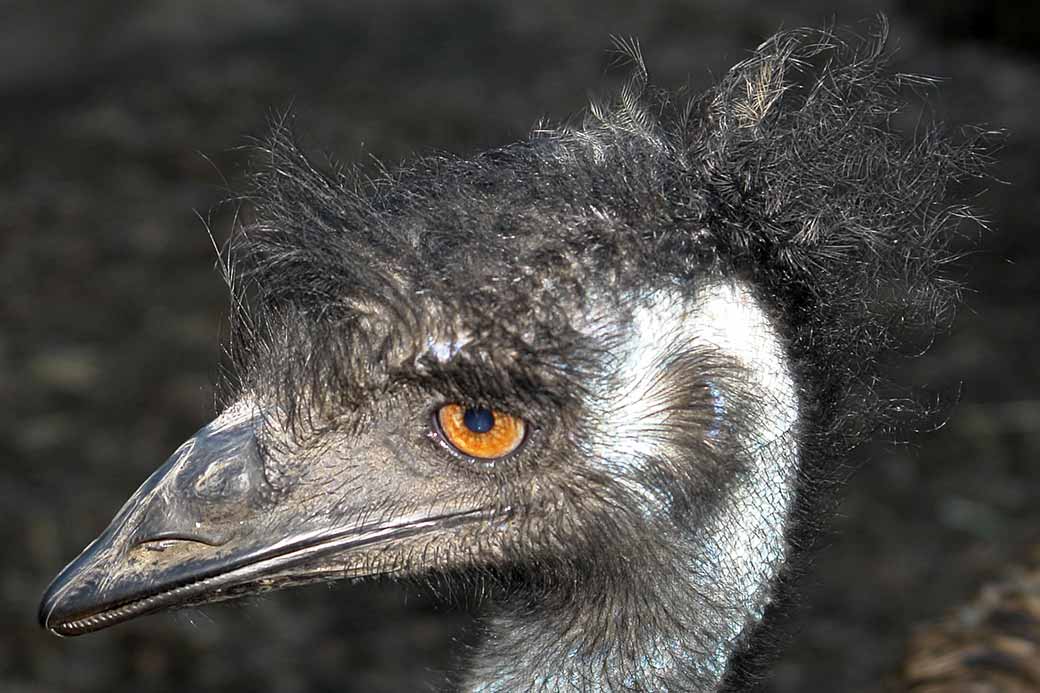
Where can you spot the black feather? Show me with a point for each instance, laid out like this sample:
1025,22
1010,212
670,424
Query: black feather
789,172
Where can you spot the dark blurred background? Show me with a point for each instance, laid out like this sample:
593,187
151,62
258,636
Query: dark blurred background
121,127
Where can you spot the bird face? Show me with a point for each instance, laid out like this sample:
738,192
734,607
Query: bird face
425,476
503,363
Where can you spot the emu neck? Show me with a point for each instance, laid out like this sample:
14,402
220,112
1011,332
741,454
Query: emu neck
672,622
672,625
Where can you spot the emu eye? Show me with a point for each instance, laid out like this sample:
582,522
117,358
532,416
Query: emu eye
479,432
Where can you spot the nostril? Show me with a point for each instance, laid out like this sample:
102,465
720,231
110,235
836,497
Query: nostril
160,541
160,545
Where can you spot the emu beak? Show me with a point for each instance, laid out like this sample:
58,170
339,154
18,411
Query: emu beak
207,526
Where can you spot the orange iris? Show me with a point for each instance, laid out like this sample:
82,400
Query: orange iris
501,434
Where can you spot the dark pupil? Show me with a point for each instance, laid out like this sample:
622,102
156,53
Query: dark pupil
478,419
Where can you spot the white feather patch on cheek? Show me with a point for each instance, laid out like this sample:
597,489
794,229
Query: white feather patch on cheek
739,549
723,315
726,315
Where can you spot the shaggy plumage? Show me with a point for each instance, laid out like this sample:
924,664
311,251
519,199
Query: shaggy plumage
788,172
688,300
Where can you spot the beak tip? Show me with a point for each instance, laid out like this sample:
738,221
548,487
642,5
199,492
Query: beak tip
60,599
46,609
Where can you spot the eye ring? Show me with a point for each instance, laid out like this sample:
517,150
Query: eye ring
479,433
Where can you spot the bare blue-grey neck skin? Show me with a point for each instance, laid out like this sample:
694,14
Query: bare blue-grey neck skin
683,616
685,302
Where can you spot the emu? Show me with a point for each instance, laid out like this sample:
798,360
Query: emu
606,371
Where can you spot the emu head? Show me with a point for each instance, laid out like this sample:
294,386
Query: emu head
600,362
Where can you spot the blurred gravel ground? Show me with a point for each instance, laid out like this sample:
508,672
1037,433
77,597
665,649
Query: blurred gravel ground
119,125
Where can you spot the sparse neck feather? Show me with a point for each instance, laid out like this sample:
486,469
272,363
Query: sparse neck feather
677,623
